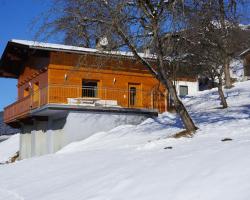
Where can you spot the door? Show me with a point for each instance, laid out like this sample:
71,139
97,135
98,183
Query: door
134,95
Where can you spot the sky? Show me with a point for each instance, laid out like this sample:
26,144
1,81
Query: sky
16,17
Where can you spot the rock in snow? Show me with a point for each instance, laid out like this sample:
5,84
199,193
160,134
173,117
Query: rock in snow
130,162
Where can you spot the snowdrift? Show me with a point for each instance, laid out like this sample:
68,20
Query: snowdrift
144,163
9,148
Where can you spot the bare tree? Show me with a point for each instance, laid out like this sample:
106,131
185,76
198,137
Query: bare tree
212,42
213,69
133,25
226,17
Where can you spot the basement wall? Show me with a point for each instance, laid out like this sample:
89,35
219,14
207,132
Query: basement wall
45,137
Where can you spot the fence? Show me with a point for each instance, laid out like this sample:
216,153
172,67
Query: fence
92,96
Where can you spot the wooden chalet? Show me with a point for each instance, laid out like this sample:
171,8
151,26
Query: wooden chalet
58,77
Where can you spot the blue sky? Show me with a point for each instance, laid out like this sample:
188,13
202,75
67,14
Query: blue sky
15,22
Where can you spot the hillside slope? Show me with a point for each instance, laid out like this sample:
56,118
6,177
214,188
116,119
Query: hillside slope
5,129
143,163
8,148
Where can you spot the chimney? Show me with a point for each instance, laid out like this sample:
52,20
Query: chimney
146,51
102,43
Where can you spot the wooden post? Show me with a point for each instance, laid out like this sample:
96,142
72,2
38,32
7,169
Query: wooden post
166,100
141,101
39,98
48,94
105,97
152,100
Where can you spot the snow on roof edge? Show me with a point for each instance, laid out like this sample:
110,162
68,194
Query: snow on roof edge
36,44
244,52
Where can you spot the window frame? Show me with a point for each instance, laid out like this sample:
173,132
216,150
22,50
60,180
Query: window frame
181,89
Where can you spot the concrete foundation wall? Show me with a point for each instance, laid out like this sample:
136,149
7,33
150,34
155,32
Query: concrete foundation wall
44,137
25,146
193,87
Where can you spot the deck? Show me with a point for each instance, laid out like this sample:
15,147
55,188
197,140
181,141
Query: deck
85,98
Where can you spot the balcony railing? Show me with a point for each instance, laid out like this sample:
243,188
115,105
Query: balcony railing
23,106
86,96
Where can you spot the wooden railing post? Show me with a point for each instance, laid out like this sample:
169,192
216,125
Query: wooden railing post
141,101
152,99
78,91
48,94
105,97
39,97
31,101
166,100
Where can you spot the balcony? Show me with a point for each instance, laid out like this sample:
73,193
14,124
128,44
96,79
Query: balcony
87,97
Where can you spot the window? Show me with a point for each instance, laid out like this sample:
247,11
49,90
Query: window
183,90
89,88
26,92
132,96
36,86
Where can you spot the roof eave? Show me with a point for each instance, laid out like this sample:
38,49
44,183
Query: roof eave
100,53
4,73
38,46
7,75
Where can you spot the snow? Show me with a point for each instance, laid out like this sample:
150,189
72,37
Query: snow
244,26
4,137
8,148
244,52
43,45
237,69
137,162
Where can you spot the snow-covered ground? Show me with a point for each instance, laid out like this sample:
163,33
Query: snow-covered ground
9,147
237,69
144,163
4,137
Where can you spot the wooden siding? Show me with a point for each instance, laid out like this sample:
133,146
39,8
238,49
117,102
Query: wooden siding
62,79
97,62
247,65
34,71
115,76
39,77
116,83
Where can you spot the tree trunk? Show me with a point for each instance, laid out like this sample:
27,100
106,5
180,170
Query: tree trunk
180,108
161,75
226,68
226,64
221,94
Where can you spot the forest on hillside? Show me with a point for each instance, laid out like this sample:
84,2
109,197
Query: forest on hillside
5,129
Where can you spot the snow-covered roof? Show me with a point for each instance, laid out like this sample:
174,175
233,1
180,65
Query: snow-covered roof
245,26
68,48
